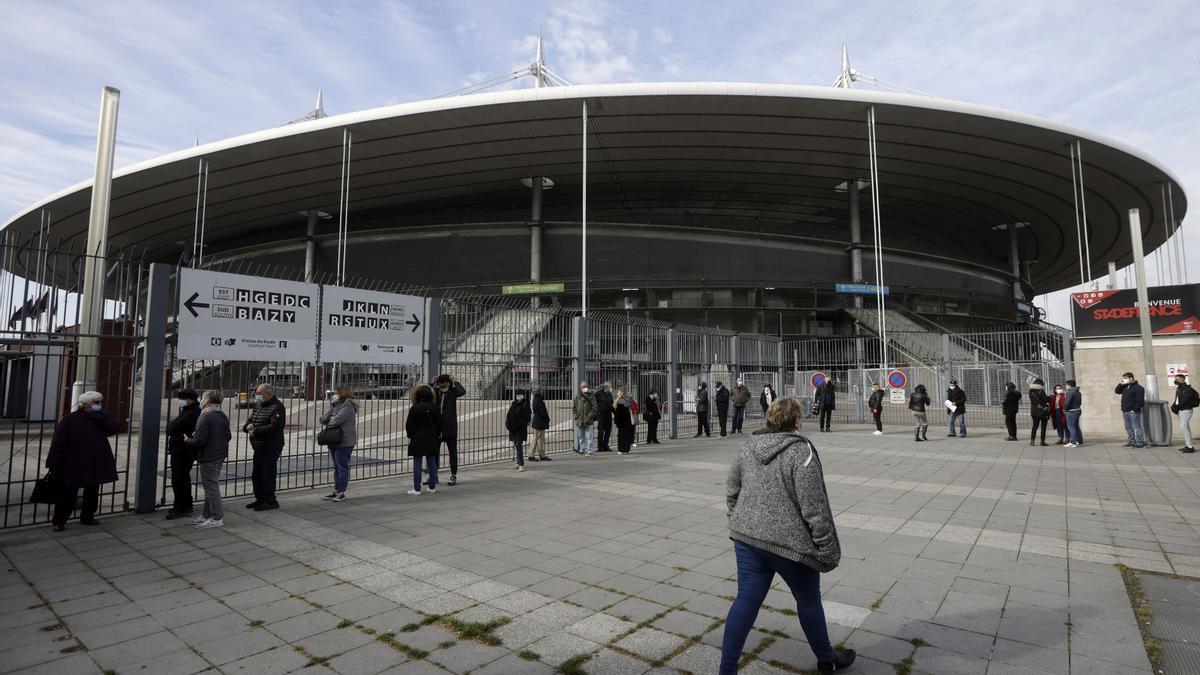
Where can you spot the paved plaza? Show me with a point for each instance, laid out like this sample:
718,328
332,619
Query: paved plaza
960,556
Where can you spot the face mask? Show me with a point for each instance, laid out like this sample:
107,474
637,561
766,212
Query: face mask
520,398
96,407
258,398
333,398
1058,391
653,396
183,404
584,390
1124,380
953,387
444,389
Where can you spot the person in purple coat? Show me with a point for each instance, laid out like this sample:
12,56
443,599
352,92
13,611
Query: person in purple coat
81,457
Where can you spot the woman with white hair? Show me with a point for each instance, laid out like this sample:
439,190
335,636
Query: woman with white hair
81,457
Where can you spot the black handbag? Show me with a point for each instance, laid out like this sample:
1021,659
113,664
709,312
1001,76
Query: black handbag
47,490
330,436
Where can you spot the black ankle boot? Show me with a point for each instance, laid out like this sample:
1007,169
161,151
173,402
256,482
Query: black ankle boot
842,659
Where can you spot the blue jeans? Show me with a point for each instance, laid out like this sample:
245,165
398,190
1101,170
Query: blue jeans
756,570
1133,426
1074,434
962,422
432,462
739,417
585,440
341,467
520,446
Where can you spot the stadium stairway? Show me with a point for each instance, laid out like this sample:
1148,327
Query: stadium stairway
480,359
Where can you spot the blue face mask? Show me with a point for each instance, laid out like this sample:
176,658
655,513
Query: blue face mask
184,404
333,398
96,407
258,398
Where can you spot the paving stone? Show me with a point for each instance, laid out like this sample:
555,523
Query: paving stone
371,658
467,656
273,661
614,663
686,623
650,643
559,647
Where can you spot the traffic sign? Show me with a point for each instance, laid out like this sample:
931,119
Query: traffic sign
818,379
861,289
897,379
234,317
533,288
371,327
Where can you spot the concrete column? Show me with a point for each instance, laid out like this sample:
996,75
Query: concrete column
856,266
310,245
673,386
152,386
433,338
1139,268
1014,259
535,262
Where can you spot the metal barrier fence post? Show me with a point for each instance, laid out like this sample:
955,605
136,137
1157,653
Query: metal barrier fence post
735,349
781,364
152,387
579,349
676,391
947,367
433,338
1068,357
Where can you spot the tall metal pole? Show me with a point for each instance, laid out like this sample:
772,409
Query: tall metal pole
535,263
1014,259
584,218
310,245
92,298
1139,268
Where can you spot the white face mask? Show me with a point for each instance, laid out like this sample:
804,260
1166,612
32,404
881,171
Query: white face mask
1058,391
520,397
183,404
259,398
333,398
954,386
653,396
1125,380
584,390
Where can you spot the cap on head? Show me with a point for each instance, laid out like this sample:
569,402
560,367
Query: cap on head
1129,375
953,381
189,394
443,379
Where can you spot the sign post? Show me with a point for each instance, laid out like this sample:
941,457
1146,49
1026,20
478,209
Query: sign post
897,381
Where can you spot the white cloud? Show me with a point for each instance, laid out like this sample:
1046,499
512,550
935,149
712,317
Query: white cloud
662,36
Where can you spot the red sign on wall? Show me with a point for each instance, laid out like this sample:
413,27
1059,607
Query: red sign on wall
1173,310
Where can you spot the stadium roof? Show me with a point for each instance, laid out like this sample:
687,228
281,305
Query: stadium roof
736,156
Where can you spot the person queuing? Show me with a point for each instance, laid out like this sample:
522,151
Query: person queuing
957,410
265,430
1058,414
721,398
623,418
1133,399
604,417
178,429
448,391
781,523
424,431
739,397
702,427
1039,410
652,414
875,405
81,457
540,421
1186,400
1010,406
520,414
584,411
342,416
766,398
917,403
827,398
1073,404
210,444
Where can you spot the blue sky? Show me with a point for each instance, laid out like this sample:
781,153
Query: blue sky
219,68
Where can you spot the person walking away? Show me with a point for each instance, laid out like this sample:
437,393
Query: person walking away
424,431
766,398
1039,410
827,396
958,399
1073,403
875,405
721,396
781,523
210,443
604,420
178,429
540,421
1133,399
739,397
1012,402
702,427
584,411
1058,414
342,415
917,402
517,423
446,397
652,415
1186,400
265,430
81,457
623,419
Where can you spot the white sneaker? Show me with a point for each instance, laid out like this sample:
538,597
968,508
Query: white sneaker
1070,445
516,467
877,433
200,519
210,523
415,493
520,468
432,491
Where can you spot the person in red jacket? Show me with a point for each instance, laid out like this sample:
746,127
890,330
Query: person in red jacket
81,457
1058,414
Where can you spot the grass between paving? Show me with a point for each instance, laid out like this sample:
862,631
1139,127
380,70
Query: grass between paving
1141,609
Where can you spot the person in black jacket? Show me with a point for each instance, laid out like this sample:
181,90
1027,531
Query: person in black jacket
1186,400
958,397
702,427
540,421
604,417
517,423
827,397
1133,399
652,415
265,429
1039,409
424,431
447,391
766,398
182,458
1012,402
875,405
916,403
623,419
722,399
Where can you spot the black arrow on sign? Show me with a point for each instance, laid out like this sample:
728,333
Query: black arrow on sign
191,304
415,323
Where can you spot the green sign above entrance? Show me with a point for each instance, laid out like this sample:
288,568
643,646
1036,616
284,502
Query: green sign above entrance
533,289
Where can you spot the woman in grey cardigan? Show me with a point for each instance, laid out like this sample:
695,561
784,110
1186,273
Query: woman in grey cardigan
343,414
780,523
210,443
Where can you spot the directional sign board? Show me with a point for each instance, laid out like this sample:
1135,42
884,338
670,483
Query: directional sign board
371,327
234,317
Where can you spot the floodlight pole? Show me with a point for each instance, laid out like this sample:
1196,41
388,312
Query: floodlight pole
584,217
92,296
1139,268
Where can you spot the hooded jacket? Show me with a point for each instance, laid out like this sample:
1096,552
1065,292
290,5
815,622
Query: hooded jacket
210,442
343,415
585,409
777,500
517,421
721,398
1039,402
876,400
1012,401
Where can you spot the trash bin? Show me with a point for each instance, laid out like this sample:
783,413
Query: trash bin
1156,422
